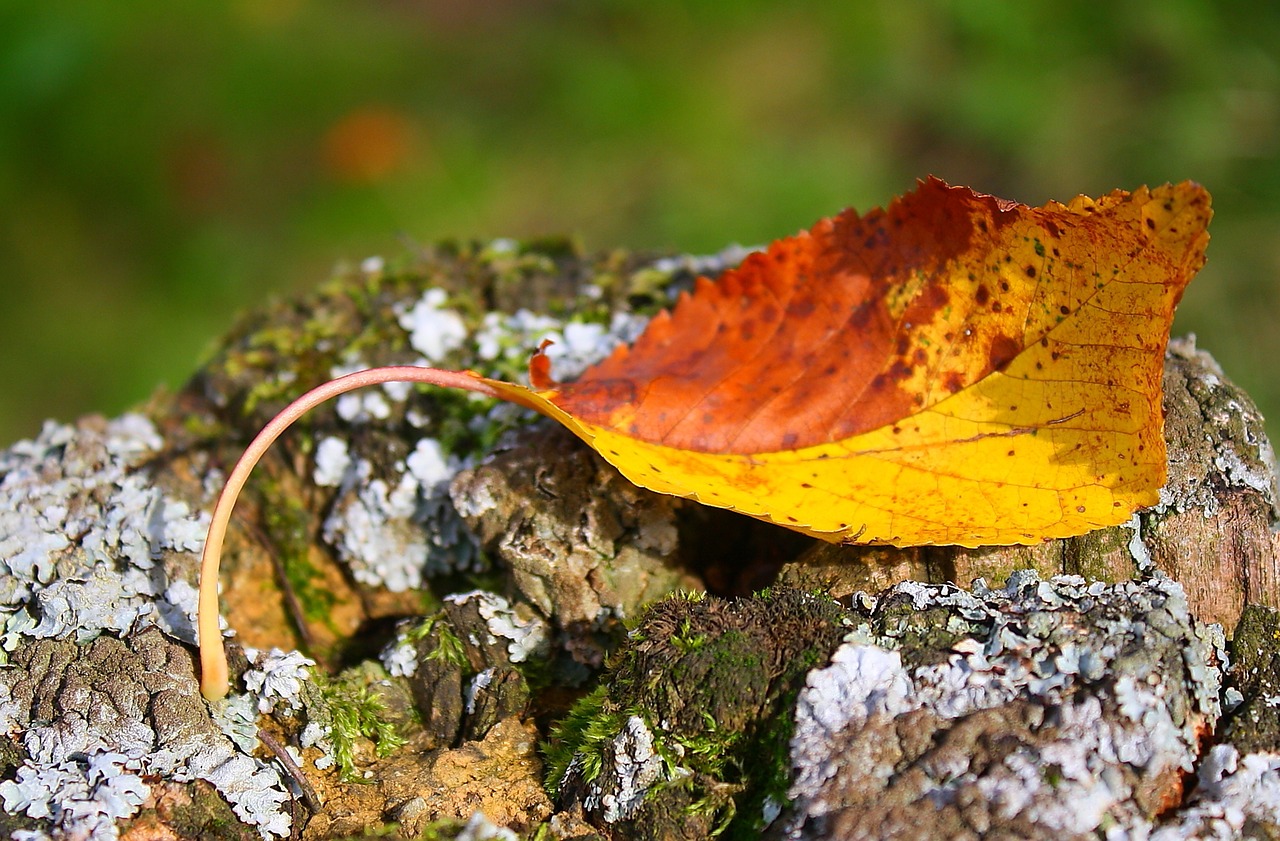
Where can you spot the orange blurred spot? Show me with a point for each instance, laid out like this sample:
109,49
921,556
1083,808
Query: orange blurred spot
368,145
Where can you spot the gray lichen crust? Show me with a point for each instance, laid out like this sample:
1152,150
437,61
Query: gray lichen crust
1044,709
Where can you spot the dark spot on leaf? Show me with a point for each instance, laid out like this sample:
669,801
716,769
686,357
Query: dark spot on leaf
1003,351
982,296
801,309
1064,310
1030,270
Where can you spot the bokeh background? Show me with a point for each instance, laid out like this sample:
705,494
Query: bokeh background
165,165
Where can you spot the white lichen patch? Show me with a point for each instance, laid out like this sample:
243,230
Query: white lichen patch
365,405
478,683
394,532
636,768
574,345
87,545
1080,747
332,462
319,735
276,678
527,636
1233,793
434,330
400,656
708,265
480,828
80,798
81,532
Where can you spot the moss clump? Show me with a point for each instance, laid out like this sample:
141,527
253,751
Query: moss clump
355,711
591,722
448,648
714,681
1255,674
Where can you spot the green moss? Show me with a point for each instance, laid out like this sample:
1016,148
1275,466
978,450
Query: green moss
716,681
449,647
591,722
288,525
355,711
686,640
1090,554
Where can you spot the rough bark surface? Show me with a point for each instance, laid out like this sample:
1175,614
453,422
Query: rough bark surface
452,624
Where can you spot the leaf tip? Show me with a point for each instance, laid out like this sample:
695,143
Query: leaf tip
540,367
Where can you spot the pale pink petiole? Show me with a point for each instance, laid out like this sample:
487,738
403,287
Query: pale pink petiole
213,659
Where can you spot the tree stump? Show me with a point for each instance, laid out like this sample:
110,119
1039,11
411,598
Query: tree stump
452,621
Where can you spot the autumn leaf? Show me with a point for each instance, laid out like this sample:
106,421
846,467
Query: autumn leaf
954,369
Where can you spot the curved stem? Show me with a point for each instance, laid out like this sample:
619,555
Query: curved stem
213,659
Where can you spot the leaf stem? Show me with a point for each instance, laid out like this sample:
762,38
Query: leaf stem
213,658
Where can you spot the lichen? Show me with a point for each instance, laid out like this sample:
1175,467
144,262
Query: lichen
81,532
527,636
637,767
94,716
276,678
1236,796
1240,456
1030,668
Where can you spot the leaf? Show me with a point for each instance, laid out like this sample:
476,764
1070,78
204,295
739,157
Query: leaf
957,369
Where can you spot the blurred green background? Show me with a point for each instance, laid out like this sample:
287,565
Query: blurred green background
165,165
